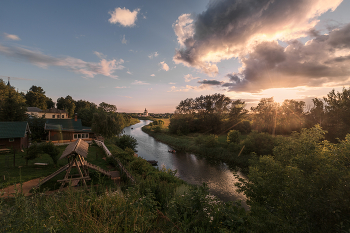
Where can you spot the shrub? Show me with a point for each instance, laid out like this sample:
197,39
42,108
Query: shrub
234,136
126,141
50,149
260,143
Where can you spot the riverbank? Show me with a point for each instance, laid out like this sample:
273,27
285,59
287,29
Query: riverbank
203,146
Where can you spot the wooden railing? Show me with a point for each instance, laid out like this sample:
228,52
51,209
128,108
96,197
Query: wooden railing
121,167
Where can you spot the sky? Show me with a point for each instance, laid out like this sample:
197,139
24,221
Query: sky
153,54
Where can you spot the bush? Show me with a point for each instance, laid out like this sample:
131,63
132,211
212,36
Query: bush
126,141
260,143
50,149
234,136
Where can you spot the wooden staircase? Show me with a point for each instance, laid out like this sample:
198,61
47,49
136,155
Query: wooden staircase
52,175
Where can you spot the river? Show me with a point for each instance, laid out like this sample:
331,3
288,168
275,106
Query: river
190,168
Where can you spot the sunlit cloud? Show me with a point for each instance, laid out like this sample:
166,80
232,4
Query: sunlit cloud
164,65
137,82
186,88
124,16
128,72
189,77
121,87
230,29
152,75
11,37
155,54
88,69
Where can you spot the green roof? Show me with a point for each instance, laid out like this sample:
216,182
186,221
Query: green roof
13,129
66,125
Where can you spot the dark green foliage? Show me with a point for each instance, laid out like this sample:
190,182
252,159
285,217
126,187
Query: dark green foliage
50,149
233,136
67,104
12,104
36,97
303,188
126,141
260,143
107,124
244,127
37,130
32,152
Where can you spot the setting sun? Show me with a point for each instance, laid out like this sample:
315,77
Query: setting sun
281,94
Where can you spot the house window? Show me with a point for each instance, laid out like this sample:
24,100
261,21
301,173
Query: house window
58,116
81,135
53,116
11,139
62,116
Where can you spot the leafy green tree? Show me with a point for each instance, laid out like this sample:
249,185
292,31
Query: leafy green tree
233,136
36,97
37,128
12,104
107,124
303,187
33,152
265,115
66,104
107,107
126,141
50,149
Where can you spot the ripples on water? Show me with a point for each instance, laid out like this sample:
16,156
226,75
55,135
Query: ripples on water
190,168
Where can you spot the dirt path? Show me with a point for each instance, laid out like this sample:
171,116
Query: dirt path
26,187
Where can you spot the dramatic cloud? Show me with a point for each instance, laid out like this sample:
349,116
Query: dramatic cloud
11,37
189,77
321,60
155,54
88,69
164,65
231,28
124,16
124,41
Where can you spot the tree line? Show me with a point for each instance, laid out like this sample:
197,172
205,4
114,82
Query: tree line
102,118
217,114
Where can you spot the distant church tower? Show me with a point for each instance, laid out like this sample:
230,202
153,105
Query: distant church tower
145,113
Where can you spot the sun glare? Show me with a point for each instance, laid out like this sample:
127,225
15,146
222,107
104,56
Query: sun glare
281,94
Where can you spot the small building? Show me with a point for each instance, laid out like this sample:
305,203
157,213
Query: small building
52,113
14,134
145,113
67,130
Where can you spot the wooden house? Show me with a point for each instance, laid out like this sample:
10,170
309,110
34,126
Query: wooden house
67,130
14,134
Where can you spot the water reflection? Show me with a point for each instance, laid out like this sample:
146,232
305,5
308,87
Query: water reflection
190,168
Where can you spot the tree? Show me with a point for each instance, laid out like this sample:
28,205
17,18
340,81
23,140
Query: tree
303,187
37,128
107,107
36,97
66,104
126,141
107,124
12,104
265,115
50,149
32,152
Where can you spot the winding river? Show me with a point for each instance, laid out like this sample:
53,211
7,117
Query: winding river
190,168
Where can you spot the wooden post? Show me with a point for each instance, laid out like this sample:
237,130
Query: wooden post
14,156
